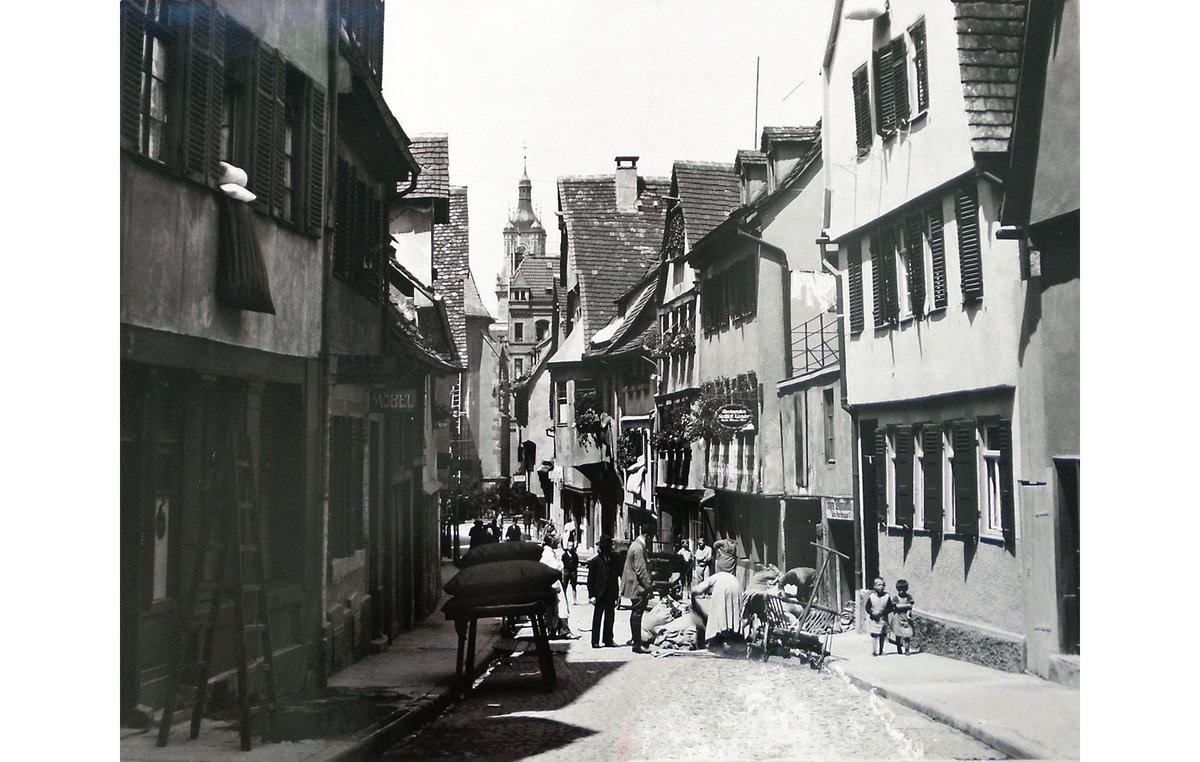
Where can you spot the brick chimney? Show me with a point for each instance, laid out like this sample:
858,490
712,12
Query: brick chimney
627,183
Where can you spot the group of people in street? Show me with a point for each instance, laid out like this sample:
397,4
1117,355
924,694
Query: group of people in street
890,616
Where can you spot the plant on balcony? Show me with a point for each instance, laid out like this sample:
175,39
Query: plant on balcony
439,414
682,342
590,420
629,448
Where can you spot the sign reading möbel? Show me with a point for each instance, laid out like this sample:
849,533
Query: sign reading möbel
734,416
393,400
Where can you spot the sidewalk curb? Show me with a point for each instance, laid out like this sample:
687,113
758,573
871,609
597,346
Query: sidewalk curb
1009,743
389,730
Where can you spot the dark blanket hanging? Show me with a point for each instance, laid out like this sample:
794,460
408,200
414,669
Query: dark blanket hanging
242,280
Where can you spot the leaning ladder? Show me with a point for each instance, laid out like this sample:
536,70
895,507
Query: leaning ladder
240,575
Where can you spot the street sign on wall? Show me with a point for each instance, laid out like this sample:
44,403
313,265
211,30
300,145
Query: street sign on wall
734,416
394,400
838,508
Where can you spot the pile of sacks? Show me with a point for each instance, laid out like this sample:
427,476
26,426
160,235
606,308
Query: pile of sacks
499,573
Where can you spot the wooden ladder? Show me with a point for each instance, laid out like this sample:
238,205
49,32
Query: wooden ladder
240,575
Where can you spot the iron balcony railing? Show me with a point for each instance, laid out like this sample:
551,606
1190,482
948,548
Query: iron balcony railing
815,344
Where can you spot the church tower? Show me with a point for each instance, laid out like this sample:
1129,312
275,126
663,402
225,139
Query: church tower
524,237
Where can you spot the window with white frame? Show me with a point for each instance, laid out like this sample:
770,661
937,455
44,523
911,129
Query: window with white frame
992,479
918,482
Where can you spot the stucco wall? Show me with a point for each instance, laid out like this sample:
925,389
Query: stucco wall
823,477
306,25
964,346
934,149
540,420
169,234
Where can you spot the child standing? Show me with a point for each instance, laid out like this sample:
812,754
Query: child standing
900,620
878,605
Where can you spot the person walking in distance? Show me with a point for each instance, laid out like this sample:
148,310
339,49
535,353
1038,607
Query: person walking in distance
878,605
637,585
570,574
702,560
603,584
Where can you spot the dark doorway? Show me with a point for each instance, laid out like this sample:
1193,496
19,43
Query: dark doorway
1068,553
841,539
800,528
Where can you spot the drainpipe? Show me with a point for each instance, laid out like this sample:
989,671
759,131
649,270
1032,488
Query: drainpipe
325,366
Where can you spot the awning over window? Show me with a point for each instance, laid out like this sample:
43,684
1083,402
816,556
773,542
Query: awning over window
242,279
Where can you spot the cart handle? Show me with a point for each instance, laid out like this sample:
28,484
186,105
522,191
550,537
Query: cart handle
831,550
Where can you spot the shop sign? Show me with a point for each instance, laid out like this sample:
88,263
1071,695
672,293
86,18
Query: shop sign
394,400
838,508
734,416
365,368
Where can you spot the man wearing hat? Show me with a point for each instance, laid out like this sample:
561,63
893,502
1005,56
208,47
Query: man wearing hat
602,582
637,584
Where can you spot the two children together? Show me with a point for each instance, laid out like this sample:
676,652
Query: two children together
890,615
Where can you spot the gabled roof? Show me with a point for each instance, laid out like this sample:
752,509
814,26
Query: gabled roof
990,35
536,274
611,250
707,191
432,152
473,306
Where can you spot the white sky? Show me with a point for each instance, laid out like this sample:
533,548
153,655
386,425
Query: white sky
584,82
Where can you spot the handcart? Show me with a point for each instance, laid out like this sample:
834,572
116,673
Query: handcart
768,621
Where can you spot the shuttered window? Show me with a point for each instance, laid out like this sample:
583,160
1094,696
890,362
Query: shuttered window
878,283
965,478
854,269
966,208
921,64
1008,513
881,476
883,276
931,447
937,256
359,238
862,109
891,86
150,74
731,294
915,253
204,46
903,448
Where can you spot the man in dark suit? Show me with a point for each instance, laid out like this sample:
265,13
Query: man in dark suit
637,585
603,582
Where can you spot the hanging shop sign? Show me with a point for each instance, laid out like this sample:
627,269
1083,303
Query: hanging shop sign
734,416
394,400
838,508
365,368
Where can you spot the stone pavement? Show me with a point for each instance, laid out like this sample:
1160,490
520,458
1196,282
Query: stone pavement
396,691
1021,715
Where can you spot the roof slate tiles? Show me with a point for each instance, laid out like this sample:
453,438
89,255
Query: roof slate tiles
612,250
708,192
451,257
432,152
990,35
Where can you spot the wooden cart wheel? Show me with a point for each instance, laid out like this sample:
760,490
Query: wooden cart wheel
767,642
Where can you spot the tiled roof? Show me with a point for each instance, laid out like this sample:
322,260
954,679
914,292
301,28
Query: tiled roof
451,256
633,333
537,274
776,134
746,156
990,35
612,250
473,305
708,192
432,152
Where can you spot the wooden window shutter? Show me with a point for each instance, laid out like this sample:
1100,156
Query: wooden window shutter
341,218
921,64
904,476
878,285
881,481
931,445
204,84
1008,513
889,273
267,81
133,43
885,94
280,128
966,480
915,233
937,256
966,209
900,79
315,203
862,109
854,269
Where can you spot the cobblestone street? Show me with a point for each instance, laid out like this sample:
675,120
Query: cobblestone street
611,704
